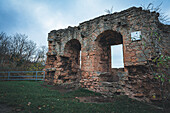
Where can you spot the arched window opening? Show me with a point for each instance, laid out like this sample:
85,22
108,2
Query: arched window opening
71,62
72,50
107,42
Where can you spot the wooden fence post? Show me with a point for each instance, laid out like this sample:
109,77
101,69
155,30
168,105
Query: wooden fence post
36,75
44,76
8,75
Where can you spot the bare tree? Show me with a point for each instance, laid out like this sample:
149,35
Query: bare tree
21,49
4,50
41,54
16,51
109,11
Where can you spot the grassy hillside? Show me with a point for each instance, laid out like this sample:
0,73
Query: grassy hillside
30,96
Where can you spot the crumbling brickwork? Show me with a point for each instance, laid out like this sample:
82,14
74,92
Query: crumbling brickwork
93,39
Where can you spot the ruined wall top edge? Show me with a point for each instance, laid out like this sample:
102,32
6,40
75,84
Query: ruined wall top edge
108,17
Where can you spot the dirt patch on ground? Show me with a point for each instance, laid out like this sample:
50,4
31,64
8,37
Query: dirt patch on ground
89,99
95,99
60,88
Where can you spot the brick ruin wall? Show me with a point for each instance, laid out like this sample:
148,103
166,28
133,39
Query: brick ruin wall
94,39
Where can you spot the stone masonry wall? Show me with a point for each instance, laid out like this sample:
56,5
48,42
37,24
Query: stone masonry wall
94,39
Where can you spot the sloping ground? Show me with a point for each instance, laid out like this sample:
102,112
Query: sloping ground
35,97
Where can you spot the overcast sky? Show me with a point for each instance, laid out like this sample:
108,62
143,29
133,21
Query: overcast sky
36,18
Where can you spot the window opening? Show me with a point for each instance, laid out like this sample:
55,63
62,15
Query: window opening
117,56
80,59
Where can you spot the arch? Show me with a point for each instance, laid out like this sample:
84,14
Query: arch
104,42
70,62
72,50
68,40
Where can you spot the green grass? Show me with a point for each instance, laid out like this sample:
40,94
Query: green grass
43,100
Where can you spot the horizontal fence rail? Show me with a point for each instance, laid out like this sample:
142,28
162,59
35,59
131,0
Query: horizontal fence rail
22,75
